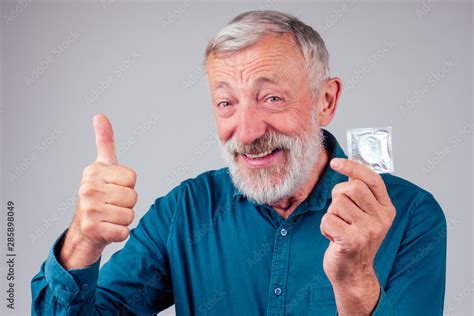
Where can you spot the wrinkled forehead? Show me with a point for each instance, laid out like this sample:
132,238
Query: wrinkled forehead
275,56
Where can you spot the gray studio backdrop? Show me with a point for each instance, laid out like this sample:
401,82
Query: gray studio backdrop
403,64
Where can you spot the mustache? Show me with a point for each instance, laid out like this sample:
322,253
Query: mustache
270,141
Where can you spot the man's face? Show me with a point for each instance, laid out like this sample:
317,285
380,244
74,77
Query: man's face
266,117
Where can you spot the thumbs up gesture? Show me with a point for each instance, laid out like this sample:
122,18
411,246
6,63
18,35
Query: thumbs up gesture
105,203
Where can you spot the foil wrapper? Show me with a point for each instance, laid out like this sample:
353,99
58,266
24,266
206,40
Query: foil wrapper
371,147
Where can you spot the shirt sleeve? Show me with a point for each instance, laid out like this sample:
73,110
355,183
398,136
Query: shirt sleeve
416,284
134,281
64,285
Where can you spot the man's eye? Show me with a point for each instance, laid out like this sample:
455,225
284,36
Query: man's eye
223,104
274,98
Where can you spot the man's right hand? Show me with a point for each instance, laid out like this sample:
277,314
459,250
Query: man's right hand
104,206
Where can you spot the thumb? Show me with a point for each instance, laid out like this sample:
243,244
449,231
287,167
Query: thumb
104,140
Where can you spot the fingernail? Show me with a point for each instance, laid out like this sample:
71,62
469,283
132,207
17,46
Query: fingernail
336,163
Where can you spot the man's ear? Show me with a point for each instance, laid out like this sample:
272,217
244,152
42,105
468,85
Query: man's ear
327,101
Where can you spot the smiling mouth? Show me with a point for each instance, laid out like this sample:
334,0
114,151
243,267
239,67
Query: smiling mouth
260,155
264,159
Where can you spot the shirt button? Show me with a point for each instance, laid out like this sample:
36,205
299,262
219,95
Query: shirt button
277,291
84,286
283,232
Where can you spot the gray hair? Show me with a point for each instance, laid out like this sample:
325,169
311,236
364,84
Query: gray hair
247,28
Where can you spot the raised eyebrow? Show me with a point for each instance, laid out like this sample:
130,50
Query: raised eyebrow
262,80
259,81
221,84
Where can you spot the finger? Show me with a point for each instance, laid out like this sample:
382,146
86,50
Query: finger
333,227
117,215
359,193
104,140
121,175
113,232
120,196
344,208
115,174
355,170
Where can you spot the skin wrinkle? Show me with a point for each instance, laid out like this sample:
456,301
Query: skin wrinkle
266,71
274,60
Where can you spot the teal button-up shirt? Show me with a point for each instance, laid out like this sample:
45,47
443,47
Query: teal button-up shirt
210,251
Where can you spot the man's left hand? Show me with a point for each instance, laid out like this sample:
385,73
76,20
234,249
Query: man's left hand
359,217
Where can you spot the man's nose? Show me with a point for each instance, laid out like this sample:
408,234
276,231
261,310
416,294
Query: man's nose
251,125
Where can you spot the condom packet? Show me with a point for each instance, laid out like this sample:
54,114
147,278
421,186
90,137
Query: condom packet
371,147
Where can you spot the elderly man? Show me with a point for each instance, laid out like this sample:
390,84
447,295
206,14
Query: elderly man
291,227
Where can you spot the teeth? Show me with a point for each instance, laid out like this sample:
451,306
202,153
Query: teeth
260,155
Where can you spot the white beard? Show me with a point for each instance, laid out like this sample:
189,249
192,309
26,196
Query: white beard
269,185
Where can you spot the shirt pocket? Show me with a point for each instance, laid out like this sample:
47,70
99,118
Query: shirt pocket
322,300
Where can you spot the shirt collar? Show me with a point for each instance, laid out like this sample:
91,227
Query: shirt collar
322,191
